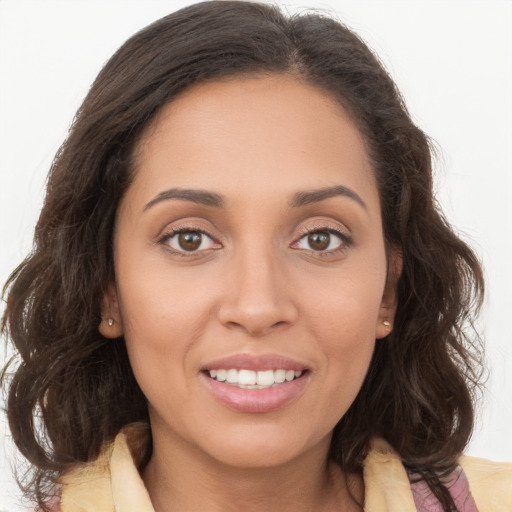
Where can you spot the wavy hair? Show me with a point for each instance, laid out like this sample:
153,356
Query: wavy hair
73,390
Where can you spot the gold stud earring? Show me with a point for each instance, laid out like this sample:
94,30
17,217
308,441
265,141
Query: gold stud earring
110,322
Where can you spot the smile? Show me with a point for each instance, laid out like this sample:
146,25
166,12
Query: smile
256,384
254,379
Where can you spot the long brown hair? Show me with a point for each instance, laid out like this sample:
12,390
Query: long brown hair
73,389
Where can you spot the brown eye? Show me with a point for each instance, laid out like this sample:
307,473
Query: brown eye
323,240
189,241
319,241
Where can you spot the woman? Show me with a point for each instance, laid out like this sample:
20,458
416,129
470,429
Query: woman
239,248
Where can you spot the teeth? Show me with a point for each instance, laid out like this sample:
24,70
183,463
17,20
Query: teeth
232,377
265,378
254,380
246,377
279,376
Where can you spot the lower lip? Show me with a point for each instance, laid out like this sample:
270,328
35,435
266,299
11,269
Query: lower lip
256,400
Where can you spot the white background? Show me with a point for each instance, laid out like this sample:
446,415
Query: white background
451,59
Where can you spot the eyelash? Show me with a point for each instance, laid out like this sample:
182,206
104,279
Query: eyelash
346,241
177,231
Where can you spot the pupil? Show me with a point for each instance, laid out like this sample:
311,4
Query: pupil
189,241
319,241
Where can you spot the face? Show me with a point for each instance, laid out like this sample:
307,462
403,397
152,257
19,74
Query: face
251,273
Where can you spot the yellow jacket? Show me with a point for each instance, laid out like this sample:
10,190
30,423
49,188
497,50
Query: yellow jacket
112,482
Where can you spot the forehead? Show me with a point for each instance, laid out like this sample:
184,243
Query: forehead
262,134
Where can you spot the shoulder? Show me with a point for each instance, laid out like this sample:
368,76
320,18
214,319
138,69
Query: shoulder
111,481
490,483
88,486
476,483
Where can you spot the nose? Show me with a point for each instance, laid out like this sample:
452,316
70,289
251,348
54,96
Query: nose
258,296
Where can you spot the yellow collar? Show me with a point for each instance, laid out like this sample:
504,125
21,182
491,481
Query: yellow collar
112,482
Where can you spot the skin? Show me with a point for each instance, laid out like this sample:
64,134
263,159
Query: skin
254,286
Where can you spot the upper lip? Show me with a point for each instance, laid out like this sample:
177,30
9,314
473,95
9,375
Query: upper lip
256,362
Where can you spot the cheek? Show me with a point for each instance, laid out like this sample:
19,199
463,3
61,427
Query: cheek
163,318
342,315
158,299
345,305
348,366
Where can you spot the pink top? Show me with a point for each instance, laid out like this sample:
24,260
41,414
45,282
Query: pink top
458,486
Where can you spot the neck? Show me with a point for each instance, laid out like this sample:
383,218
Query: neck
180,478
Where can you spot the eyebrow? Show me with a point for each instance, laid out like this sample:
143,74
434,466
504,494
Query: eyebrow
315,196
212,199
194,196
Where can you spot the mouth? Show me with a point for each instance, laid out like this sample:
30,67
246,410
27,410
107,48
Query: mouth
256,384
254,379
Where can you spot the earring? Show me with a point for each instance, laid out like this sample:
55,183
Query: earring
110,322
387,323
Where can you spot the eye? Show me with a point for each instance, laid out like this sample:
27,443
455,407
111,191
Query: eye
189,240
323,240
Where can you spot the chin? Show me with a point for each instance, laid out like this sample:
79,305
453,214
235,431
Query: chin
262,448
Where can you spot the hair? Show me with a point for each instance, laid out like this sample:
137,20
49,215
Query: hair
73,389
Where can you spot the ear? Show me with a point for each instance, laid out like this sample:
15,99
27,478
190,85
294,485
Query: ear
110,325
389,300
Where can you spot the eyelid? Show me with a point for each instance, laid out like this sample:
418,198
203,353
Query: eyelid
325,226
170,232
344,237
184,224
